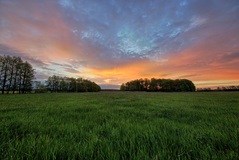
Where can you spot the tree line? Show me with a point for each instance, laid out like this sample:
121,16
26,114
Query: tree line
164,85
70,84
15,75
227,88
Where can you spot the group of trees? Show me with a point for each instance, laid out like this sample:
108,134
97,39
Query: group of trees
15,75
165,85
228,88
69,84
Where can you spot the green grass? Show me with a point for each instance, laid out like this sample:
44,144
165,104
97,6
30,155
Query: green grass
120,125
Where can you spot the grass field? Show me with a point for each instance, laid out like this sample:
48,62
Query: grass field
120,125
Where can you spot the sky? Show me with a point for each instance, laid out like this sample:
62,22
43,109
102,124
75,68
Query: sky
112,42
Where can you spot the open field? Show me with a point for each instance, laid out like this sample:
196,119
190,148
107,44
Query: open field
120,125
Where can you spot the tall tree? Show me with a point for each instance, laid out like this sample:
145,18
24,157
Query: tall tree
12,68
1,70
5,72
27,77
15,75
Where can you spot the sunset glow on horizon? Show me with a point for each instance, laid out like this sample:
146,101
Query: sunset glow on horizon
111,42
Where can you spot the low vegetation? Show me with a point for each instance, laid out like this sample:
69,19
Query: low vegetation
120,125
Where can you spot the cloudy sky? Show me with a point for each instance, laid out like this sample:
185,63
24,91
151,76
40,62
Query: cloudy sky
115,41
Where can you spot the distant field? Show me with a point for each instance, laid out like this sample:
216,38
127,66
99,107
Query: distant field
120,125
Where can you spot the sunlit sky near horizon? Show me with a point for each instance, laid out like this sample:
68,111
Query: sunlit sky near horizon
114,41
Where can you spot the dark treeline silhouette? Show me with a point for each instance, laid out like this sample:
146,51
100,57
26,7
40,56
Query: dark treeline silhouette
164,85
228,88
15,75
67,84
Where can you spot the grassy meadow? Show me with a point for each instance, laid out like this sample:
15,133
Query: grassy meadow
120,125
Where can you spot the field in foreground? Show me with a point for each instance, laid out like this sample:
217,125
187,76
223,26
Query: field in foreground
120,125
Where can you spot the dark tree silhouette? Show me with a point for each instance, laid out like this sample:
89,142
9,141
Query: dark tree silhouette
15,75
154,85
69,84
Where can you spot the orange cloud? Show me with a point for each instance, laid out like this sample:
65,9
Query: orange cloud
44,32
